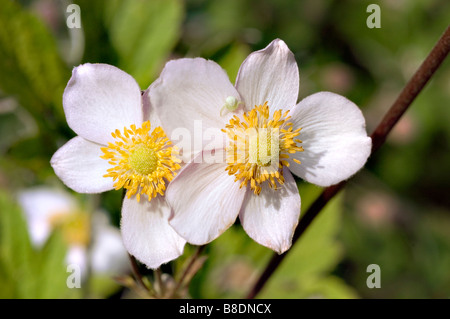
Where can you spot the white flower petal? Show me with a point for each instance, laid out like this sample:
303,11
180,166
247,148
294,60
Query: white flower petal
39,204
77,255
205,201
188,97
271,218
334,138
149,112
269,75
108,254
78,164
99,99
146,232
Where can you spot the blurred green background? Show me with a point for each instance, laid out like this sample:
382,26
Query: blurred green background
395,213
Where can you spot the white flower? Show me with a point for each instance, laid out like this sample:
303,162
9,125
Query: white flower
255,182
47,209
116,148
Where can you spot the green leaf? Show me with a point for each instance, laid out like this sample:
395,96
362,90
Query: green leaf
15,249
51,270
24,271
101,286
327,287
235,261
233,59
31,67
305,271
14,125
144,33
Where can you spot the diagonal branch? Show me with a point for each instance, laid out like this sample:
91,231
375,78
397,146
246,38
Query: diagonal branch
401,104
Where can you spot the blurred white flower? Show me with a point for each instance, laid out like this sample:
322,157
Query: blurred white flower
90,239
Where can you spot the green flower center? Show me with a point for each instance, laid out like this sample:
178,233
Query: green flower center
143,160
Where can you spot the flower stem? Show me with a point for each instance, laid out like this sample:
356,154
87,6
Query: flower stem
158,277
187,270
379,135
136,273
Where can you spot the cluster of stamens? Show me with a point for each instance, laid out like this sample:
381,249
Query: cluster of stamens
259,145
142,161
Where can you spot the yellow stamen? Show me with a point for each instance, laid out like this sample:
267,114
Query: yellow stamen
142,161
258,147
